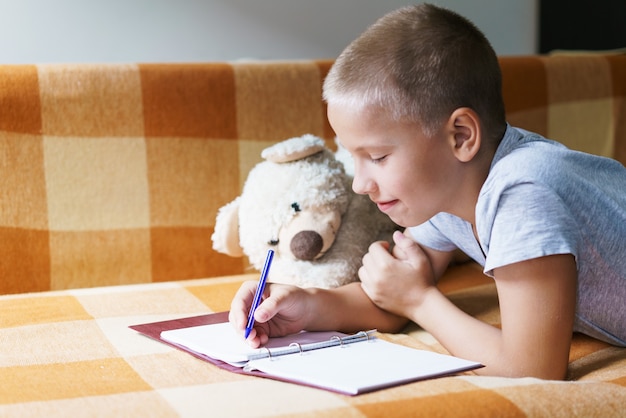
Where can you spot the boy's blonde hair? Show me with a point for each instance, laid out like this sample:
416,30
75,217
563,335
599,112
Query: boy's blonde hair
420,63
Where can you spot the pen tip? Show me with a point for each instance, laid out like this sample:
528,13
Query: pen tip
246,334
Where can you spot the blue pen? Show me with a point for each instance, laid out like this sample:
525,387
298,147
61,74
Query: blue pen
259,292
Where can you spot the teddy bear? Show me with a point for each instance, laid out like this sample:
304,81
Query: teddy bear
299,202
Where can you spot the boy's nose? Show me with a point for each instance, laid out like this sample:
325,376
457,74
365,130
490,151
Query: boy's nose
362,185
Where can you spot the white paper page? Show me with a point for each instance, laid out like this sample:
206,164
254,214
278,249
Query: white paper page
220,341
362,366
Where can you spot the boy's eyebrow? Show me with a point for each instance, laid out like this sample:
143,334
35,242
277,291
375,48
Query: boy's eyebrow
375,147
387,144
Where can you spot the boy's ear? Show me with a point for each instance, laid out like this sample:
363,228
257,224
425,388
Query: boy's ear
464,126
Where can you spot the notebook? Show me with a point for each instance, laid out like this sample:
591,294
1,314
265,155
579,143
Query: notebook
348,364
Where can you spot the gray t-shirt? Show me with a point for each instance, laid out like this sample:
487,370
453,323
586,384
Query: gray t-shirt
540,199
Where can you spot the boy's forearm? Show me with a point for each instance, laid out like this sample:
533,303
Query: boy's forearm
460,333
348,309
470,338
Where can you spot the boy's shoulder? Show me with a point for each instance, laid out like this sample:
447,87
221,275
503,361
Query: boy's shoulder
528,160
519,144
527,156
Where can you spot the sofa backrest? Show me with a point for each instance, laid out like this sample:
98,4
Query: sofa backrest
113,174
578,99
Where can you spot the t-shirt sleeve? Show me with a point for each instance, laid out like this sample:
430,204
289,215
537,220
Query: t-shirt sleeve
529,221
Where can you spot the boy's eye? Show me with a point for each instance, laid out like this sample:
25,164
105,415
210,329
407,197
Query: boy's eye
376,159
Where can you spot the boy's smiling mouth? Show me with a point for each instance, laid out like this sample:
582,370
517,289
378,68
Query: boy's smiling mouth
385,206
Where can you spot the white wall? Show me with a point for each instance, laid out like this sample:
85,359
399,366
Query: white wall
41,31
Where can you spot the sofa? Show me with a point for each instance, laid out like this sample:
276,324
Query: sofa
112,175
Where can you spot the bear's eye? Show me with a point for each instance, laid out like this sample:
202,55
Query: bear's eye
295,206
273,242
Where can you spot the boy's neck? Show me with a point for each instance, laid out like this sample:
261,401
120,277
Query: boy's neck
476,172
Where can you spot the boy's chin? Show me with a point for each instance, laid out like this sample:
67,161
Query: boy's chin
401,222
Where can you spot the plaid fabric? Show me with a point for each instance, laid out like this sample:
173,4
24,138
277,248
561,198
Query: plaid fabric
113,174
579,100
71,353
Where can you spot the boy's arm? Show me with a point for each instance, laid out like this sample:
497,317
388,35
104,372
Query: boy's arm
537,309
349,309
537,302
288,309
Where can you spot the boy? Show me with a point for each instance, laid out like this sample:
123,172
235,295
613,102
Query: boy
416,100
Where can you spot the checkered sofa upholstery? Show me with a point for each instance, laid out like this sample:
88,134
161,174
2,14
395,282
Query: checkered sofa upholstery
113,174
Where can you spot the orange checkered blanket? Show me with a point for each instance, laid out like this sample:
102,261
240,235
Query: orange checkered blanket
71,353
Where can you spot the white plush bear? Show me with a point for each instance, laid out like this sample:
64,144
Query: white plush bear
299,202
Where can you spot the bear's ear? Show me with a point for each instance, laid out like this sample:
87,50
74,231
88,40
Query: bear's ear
293,149
226,235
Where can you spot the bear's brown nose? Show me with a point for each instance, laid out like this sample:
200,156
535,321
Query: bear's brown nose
306,245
